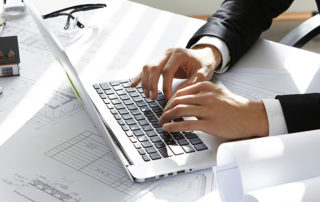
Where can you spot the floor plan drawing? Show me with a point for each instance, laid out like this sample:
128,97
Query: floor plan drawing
88,154
40,189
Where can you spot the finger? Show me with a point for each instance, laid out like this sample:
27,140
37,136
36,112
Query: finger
180,111
186,125
136,80
152,74
145,80
186,99
175,61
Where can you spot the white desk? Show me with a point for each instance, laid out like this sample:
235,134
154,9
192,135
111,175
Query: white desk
40,117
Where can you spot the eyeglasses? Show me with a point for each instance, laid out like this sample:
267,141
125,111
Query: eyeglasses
74,9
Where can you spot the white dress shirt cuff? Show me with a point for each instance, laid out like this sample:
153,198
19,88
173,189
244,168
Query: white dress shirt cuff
276,120
221,46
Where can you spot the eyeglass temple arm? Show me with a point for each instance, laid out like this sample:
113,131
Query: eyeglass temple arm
53,14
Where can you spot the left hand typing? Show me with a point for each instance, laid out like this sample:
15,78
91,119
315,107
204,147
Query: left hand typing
218,112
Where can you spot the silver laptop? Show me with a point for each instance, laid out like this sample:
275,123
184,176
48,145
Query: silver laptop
128,122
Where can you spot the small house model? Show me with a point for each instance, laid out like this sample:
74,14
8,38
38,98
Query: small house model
9,56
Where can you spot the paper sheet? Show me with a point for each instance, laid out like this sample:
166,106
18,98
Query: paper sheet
49,149
271,161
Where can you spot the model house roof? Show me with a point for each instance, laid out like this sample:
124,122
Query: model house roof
9,50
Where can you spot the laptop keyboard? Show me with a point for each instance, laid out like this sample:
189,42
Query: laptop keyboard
138,117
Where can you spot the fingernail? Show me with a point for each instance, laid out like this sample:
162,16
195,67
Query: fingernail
165,126
151,95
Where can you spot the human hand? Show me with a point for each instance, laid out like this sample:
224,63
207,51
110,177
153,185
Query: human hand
195,65
218,112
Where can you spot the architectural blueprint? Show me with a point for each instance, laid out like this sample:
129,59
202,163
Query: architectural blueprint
49,148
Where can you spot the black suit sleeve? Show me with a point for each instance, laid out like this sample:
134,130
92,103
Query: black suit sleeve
239,23
301,112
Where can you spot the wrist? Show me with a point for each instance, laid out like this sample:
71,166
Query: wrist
214,52
258,122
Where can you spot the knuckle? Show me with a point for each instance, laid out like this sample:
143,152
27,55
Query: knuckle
146,68
201,76
166,72
178,110
179,51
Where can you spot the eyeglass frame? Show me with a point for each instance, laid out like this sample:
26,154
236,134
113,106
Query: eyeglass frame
77,8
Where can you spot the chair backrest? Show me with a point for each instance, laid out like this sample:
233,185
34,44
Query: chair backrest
303,33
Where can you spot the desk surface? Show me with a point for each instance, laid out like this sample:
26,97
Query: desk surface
44,131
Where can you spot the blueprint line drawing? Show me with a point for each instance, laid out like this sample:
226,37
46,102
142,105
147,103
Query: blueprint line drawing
251,92
88,154
41,189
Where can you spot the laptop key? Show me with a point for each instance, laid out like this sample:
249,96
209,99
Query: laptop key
112,96
103,96
190,135
133,139
113,111
130,90
125,127
126,84
129,133
96,86
145,157
131,121
125,97
195,141
110,106
151,150
142,138
146,144
114,83
126,116
116,101
159,145
137,99
128,102
141,104
153,104
151,133
135,112
109,92
134,94
121,122
116,88
200,147
132,107
143,122
99,91
177,136
105,86
141,151
165,152
155,139
183,142
106,101
123,111
117,116
155,156
163,103
121,92
188,148
119,106
147,128
176,149
138,132
137,145
139,117
134,127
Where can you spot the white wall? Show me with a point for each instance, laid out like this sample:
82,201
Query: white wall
207,7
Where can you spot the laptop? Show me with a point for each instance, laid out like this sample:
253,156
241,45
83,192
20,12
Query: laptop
128,122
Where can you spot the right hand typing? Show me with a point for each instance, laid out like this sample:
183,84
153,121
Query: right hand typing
195,65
